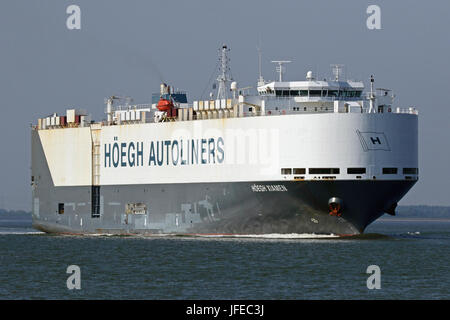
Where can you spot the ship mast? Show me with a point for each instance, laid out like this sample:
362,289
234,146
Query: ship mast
260,78
224,77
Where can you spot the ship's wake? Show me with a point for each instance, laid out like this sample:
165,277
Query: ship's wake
273,236
20,232
367,236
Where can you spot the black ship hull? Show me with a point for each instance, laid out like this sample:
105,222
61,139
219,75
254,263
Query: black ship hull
238,208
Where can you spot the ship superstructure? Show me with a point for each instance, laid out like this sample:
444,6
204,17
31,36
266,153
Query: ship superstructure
311,156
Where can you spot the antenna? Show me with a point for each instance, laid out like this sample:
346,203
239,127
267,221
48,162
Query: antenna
372,96
371,85
260,78
337,68
280,69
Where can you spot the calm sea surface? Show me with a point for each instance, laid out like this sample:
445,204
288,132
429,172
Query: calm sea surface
413,256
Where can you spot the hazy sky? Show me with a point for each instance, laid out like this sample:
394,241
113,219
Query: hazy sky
125,47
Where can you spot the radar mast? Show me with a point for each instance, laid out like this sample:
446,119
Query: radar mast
337,71
224,74
280,69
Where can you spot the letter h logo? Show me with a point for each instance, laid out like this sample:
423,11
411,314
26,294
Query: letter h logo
375,140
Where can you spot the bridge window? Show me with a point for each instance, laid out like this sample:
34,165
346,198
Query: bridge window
303,93
286,171
410,170
332,93
315,93
294,93
299,170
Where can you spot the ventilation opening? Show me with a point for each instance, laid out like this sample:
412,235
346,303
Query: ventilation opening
323,170
410,171
95,201
389,170
60,208
356,170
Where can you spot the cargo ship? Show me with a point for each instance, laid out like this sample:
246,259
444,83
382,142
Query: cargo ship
312,156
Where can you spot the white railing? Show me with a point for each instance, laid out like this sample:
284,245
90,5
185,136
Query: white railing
410,110
131,107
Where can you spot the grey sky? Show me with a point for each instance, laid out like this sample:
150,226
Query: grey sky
123,45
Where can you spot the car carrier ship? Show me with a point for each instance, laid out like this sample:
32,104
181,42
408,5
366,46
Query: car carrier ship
312,156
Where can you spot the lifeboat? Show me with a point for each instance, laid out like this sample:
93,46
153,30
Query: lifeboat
165,105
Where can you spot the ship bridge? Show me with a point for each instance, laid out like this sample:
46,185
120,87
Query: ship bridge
313,89
322,96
